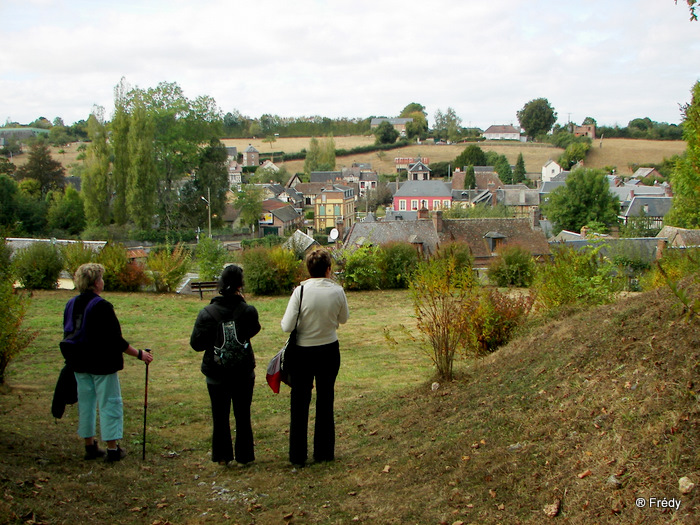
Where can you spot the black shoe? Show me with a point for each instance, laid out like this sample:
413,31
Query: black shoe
93,452
115,455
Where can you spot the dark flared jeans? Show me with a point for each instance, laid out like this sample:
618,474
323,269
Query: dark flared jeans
237,392
319,364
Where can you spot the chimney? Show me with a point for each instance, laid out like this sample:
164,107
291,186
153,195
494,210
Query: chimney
534,217
631,195
423,213
668,191
437,220
584,231
492,190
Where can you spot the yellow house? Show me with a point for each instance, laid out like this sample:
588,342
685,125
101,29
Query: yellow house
334,207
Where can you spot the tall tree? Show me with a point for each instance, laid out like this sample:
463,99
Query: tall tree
472,155
141,173
519,173
120,140
537,117
41,167
96,184
585,199
67,212
312,156
502,167
469,178
419,127
385,133
447,125
249,201
685,178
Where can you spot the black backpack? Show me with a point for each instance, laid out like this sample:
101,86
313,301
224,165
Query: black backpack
233,353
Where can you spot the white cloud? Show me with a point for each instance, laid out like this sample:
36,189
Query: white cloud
613,61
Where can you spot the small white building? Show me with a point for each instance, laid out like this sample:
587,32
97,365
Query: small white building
550,170
502,133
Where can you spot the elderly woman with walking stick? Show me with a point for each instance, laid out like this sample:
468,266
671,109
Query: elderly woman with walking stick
94,351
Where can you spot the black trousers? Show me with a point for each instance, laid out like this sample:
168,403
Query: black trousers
319,363
238,392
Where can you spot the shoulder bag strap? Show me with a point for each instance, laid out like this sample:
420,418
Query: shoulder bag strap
301,297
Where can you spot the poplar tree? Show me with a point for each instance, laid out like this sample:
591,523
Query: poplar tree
96,185
120,141
141,173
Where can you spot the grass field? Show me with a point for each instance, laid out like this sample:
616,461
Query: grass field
588,420
622,153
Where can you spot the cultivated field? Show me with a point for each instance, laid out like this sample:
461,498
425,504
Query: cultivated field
621,153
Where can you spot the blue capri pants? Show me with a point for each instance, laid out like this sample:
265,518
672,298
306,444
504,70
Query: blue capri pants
101,391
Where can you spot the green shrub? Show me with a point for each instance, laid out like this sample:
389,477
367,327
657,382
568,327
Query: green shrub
38,266
265,242
75,254
13,338
168,266
459,251
575,277
440,287
361,269
396,263
675,265
211,256
514,266
270,271
113,258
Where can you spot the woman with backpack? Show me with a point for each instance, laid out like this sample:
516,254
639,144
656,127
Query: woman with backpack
223,330
94,351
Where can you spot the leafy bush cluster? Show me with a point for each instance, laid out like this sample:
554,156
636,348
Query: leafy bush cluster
514,266
168,266
576,278
211,257
271,271
38,266
13,306
379,267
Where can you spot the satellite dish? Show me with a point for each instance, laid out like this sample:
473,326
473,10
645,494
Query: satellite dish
334,234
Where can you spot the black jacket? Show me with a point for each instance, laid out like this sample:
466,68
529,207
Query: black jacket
104,344
207,332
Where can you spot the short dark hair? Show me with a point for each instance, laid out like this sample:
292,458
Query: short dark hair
318,261
231,280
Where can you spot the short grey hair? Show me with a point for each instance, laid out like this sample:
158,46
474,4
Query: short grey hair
87,275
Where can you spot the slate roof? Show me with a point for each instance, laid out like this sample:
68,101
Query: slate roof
656,206
520,197
474,231
299,240
393,121
502,129
424,188
325,176
378,233
286,213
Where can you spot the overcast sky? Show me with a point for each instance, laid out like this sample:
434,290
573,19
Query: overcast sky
613,60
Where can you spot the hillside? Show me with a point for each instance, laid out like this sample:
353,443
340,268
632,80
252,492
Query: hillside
588,412
622,153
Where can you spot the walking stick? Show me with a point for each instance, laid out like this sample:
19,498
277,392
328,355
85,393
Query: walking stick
145,409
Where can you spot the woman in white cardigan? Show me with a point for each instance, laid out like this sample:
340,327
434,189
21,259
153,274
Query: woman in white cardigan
317,357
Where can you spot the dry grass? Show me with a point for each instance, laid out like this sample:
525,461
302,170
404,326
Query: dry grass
621,153
624,153
515,432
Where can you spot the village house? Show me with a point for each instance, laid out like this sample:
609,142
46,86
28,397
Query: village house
398,123
428,194
550,170
334,207
403,163
499,132
651,209
418,171
278,217
251,156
